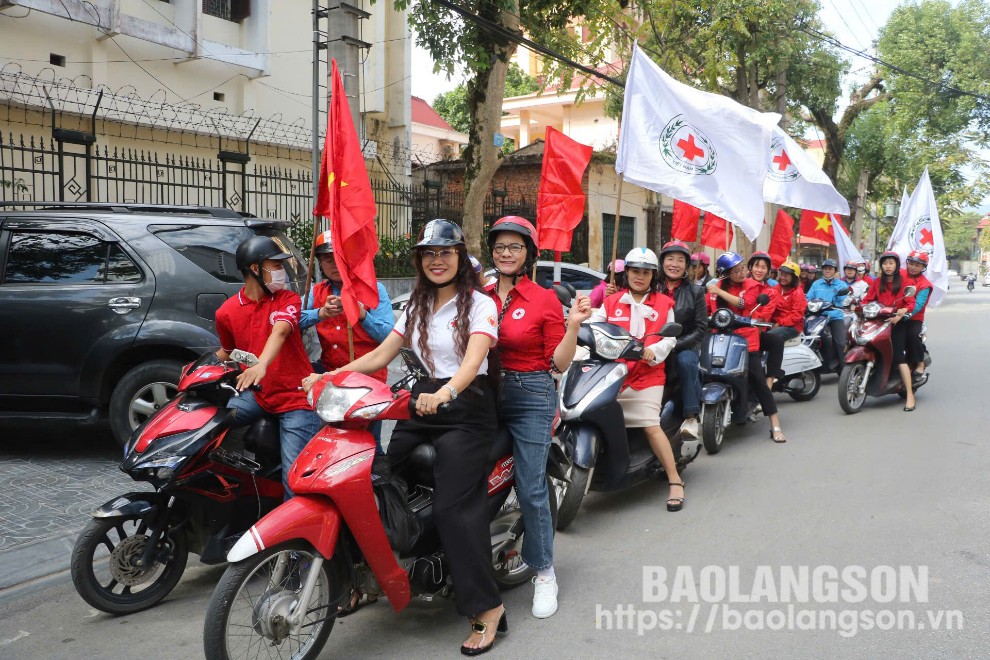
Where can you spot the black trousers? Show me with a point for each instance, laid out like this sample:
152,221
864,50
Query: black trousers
915,346
898,340
758,381
838,328
462,437
773,343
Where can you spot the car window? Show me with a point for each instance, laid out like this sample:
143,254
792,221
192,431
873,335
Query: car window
210,248
51,257
576,278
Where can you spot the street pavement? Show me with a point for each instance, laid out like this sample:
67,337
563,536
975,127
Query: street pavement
883,488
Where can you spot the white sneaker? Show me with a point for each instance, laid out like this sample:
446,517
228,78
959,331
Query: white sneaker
545,597
690,427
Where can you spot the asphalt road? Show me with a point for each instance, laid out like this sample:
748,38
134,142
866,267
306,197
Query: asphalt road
880,490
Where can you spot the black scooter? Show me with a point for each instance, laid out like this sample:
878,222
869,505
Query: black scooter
604,454
725,397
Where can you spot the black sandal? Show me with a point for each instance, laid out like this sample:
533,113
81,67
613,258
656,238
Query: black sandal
480,627
675,503
357,601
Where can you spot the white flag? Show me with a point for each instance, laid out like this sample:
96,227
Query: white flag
918,228
795,179
844,245
704,149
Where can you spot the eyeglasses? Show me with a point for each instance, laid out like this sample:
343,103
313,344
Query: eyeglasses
513,248
445,254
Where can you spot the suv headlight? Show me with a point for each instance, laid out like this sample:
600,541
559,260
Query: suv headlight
334,402
607,346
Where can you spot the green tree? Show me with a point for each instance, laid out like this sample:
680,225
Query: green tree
453,105
482,48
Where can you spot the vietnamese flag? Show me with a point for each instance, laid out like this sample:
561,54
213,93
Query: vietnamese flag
560,201
818,225
780,242
345,198
716,232
685,223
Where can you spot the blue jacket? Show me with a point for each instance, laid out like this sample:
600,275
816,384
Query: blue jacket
833,292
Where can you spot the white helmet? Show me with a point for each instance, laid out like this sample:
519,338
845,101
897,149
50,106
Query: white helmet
642,257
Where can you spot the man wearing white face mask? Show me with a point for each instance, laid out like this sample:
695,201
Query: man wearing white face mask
263,319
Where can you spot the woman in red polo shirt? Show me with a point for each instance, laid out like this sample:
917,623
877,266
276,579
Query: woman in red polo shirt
738,293
788,317
888,290
643,310
532,343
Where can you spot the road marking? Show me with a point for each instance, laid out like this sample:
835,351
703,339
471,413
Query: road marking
20,634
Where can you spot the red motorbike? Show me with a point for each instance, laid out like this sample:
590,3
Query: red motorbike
293,570
210,485
869,369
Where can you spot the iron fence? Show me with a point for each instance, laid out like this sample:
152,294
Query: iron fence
39,169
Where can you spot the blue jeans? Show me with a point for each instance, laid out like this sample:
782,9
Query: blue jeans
686,364
295,429
528,401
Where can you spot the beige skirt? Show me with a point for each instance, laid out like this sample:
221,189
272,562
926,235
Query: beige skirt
641,408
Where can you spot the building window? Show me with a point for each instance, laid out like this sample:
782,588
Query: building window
228,10
218,96
56,60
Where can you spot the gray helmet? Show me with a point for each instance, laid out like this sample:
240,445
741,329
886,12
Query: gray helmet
257,249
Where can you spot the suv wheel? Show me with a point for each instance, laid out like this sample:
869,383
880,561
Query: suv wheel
140,394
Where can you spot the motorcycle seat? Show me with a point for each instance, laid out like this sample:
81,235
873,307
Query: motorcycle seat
419,465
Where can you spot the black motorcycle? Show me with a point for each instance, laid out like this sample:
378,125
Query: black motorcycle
605,455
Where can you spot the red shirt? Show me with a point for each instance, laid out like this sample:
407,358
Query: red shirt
641,374
749,291
886,297
333,336
245,324
531,327
791,306
920,283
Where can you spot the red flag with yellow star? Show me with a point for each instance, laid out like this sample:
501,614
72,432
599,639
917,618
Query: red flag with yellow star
818,225
346,199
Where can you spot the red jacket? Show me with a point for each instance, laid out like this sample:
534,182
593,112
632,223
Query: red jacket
920,283
886,297
641,374
749,290
790,308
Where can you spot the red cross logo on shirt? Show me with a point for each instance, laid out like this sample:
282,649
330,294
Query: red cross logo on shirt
782,160
926,237
690,149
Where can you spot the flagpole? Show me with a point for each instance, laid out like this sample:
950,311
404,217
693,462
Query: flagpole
315,146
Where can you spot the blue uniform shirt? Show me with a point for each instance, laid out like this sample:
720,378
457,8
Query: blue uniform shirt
833,291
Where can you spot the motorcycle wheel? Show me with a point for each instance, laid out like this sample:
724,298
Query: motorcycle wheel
712,430
812,383
510,570
246,617
103,569
850,400
570,495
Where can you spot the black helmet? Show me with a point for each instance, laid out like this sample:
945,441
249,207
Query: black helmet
440,233
830,262
257,249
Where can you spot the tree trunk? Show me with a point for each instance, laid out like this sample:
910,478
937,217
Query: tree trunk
860,221
481,157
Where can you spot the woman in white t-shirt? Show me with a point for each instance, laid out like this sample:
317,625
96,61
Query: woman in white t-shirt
451,326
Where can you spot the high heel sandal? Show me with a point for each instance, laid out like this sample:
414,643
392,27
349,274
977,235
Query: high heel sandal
777,429
675,503
481,627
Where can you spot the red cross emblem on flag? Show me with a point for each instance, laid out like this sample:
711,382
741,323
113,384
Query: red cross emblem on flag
690,149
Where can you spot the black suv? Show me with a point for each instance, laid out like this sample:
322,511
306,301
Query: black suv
101,304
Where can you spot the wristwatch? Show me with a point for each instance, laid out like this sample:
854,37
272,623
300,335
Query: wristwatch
453,391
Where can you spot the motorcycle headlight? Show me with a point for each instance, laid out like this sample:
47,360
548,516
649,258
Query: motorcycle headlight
864,333
334,402
722,319
815,306
566,414
870,310
168,451
607,346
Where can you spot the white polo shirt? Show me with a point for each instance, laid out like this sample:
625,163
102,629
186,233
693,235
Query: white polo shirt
483,320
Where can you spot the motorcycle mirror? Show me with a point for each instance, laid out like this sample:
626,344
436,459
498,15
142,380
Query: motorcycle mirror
671,330
762,299
910,291
563,295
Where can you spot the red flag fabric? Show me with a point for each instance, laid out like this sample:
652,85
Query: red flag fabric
345,197
685,223
716,232
560,201
818,225
783,236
